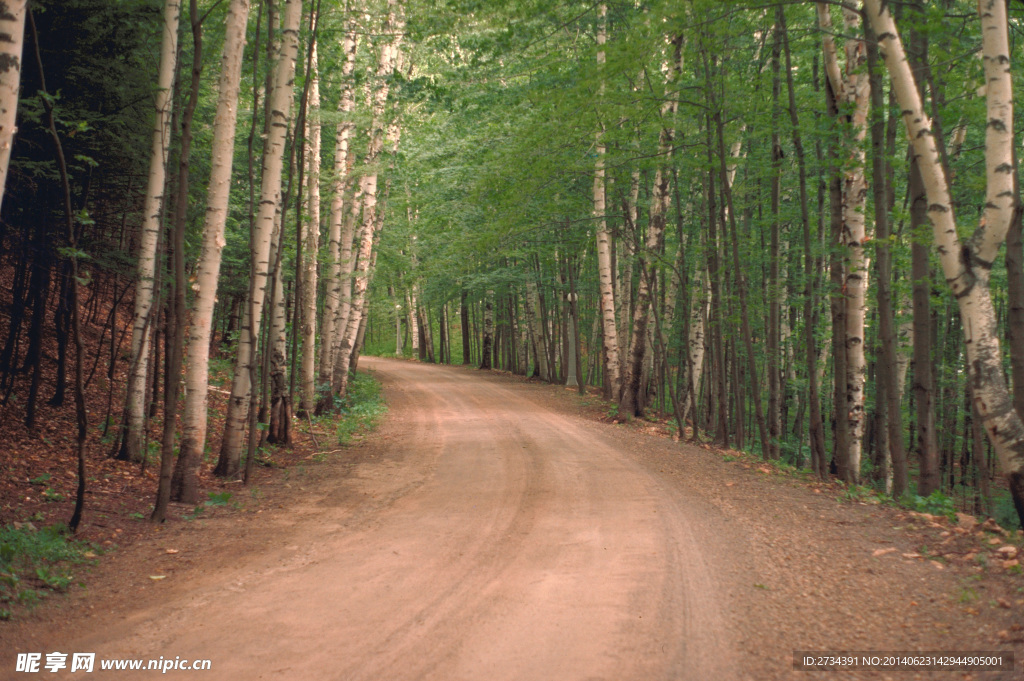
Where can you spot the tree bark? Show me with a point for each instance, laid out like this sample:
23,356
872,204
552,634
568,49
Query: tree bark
176,317
12,38
197,365
338,255
146,268
967,265
485,359
311,240
631,401
368,183
605,275
924,380
888,402
270,192
817,434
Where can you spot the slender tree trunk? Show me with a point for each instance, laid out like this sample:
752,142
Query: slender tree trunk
741,288
338,254
817,434
279,427
150,232
464,321
696,341
197,365
81,416
888,402
311,239
929,478
774,330
176,317
385,67
631,400
12,37
270,192
418,348
485,361
966,265
605,275
541,368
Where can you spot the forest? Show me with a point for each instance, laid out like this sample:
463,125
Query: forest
793,229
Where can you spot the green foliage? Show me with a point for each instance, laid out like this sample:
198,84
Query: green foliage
50,495
361,409
1004,512
859,493
213,499
935,503
34,562
218,498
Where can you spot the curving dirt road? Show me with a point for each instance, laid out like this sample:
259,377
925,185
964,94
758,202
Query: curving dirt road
489,535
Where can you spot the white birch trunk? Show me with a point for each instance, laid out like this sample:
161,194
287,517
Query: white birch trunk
368,185
606,281
854,90
12,37
311,241
146,269
339,188
967,266
414,321
904,340
279,431
197,363
695,346
270,194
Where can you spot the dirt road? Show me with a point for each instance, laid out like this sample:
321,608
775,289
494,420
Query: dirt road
490,534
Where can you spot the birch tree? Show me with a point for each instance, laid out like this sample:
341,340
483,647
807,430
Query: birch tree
279,108
12,37
339,188
368,185
967,264
197,365
311,240
630,401
852,88
135,407
606,281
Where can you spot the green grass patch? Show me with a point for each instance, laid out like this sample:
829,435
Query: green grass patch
360,410
35,562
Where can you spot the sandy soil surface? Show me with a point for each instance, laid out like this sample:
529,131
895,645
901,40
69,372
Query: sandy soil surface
492,531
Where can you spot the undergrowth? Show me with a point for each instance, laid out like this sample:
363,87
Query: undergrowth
360,410
35,562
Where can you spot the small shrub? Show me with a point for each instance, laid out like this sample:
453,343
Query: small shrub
1004,512
935,503
361,409
218,498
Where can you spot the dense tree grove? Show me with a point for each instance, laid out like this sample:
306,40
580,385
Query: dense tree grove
780,226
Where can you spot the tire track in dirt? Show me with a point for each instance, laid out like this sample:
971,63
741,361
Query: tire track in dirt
491,539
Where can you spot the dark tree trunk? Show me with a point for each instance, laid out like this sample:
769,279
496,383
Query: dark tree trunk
464,320
817,433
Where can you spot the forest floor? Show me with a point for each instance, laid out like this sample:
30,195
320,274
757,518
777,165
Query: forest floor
496,528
